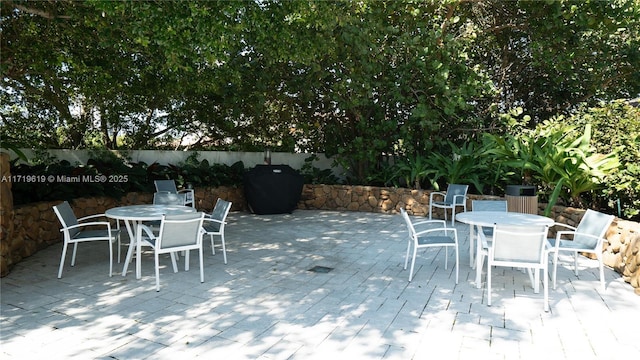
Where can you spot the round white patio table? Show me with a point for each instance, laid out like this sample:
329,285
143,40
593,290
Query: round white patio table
133,215
481,219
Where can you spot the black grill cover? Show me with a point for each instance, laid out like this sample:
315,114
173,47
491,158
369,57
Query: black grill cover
273,189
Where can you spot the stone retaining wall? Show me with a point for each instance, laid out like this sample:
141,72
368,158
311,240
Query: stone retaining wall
29,228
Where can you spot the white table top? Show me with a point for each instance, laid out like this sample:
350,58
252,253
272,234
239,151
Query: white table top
488,218
147,212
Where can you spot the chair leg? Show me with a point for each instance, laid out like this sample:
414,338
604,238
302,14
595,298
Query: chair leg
413,262
488,284
406,258
64,254
224,249
110,257
545,285
201,250
213,249
602,286
457,265
157,261
73,256
446,257
555,268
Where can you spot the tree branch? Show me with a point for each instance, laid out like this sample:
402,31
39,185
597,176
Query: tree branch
37,12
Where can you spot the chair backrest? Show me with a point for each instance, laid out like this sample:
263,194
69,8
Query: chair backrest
221,210
180,230
67,217
488,205
453,190
168,198
519,244
166,186
593,223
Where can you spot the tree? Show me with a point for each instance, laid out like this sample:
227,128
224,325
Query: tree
549,57
363,80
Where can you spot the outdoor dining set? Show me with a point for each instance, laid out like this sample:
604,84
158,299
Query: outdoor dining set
170,225
501,238
506,238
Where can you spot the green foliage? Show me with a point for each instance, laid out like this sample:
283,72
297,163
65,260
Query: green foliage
616,129
9,145
459,165
415,170
367,82
314,175
558,158
107,175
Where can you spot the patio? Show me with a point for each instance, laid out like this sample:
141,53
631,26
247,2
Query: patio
266,304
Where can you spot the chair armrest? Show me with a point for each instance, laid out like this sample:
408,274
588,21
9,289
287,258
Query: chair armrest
91,217
148,232
559,234
442,229
94,223
483,240
189,194
438,193
206,218
563,226
435,221
455,199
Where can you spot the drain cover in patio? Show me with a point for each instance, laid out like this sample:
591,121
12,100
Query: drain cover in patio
321,269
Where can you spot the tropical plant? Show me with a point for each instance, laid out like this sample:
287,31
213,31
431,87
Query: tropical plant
11,146
459,165
414,170
557,158
616,128
576,162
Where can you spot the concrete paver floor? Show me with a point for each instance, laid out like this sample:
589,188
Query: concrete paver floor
266,304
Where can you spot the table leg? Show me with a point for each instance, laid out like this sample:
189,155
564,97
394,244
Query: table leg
471,247
479,260
138,255
132,240
535,279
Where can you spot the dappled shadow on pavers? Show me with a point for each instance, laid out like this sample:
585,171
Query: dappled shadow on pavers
265,303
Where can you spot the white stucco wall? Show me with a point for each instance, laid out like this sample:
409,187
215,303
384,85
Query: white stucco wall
250,159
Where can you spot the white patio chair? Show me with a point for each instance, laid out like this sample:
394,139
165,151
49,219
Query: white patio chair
519,246
484,205
588,237
177,233
215,222
455,196
187,195
78,230
433,233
